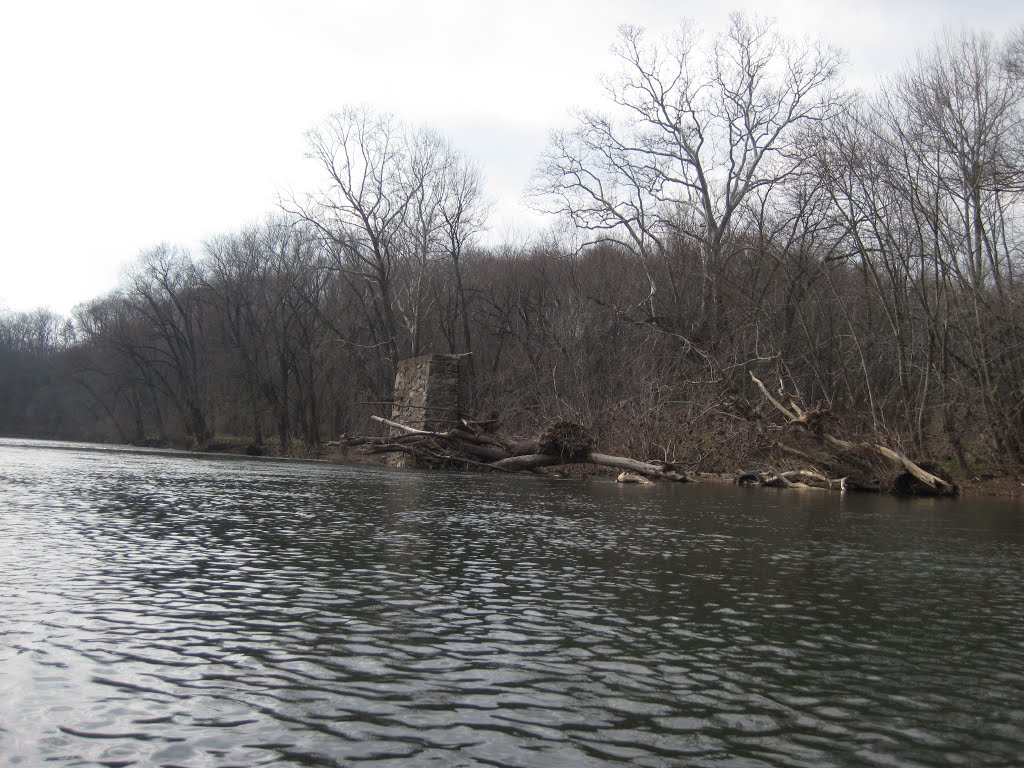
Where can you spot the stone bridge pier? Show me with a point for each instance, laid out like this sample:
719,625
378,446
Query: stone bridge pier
431,392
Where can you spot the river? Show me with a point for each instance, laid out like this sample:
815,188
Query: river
159,609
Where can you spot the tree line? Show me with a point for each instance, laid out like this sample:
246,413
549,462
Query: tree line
734,209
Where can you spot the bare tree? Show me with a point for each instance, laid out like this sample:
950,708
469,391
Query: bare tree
697,129
256,278
398,202
163,289
361,210
463,209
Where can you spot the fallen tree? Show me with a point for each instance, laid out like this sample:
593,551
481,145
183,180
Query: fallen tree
472,444
854,465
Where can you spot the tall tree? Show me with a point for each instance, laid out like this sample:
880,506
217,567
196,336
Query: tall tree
397,200
164,289
361,210
696,129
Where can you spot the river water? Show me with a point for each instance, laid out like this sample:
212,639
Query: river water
161,609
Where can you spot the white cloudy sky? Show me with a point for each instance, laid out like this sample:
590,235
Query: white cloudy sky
125,123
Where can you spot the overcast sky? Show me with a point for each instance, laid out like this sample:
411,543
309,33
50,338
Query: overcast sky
126,124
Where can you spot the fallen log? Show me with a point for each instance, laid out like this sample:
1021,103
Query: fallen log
814,480
794,478
856,461
659,471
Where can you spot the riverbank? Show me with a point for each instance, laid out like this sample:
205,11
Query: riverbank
992,486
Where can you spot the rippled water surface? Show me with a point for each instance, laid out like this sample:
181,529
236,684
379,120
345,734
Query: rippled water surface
180,611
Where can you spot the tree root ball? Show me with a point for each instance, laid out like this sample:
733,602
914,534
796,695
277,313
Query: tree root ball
567,440
905,484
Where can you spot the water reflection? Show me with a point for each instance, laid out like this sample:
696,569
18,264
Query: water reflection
162,610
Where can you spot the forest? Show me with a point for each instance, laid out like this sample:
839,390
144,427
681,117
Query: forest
734,209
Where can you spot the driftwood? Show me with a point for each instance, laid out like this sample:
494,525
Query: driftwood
861,465
469,445
794,478
631,478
